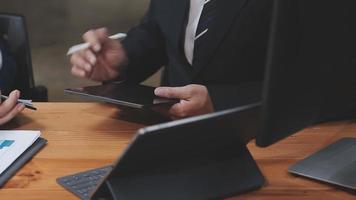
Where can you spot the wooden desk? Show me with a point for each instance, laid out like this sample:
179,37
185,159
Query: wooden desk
83,136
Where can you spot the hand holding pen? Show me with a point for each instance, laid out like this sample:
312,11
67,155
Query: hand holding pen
27,103
10,107
104,60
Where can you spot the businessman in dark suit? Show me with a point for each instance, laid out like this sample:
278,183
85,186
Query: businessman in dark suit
9,108
213,52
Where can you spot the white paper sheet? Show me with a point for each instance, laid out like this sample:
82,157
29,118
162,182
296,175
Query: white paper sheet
13,144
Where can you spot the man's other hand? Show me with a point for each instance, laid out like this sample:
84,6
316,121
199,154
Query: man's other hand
194,100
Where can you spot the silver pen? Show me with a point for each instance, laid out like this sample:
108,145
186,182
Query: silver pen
82,46
27,103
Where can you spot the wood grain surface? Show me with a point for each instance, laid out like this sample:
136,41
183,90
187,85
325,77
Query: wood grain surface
83,136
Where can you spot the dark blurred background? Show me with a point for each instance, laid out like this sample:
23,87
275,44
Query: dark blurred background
55,25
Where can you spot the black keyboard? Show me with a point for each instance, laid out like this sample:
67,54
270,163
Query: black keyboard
83,183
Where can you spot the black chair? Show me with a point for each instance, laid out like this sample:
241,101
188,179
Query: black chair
13,30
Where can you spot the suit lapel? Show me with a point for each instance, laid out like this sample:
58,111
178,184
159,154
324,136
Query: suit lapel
181,8
227,11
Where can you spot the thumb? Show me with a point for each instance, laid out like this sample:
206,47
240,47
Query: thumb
102,37
173,92
96,38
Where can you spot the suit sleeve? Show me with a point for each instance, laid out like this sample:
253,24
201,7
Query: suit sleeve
145,48
230,96
8,70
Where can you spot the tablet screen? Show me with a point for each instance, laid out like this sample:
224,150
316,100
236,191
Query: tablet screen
125,94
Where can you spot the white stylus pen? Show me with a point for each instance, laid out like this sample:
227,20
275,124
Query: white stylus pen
82,46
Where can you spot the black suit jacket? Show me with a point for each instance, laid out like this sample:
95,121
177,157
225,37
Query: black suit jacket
231,62
8,69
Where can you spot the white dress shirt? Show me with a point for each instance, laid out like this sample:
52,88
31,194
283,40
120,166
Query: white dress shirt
196,8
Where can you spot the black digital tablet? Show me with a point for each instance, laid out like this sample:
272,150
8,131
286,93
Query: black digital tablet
124,94
203,157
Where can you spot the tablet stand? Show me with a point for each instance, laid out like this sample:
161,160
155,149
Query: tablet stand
234,173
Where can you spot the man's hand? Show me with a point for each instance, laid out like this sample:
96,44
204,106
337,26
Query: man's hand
10,108
103,61
194,100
